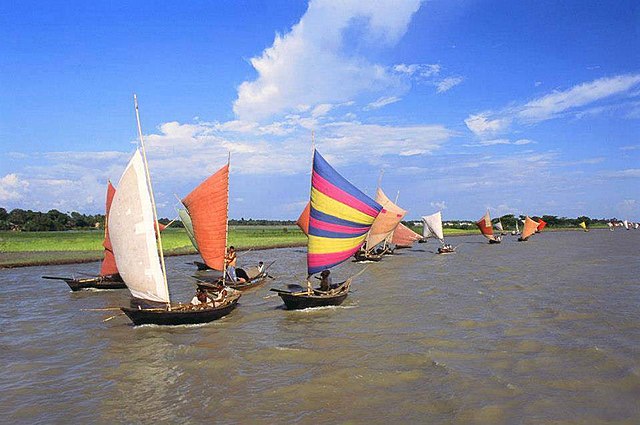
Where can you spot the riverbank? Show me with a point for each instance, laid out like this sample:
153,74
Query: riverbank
24,249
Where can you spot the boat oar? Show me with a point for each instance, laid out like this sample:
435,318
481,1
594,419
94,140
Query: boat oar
100,309
55,278
112,317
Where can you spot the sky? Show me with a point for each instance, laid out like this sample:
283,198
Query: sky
518,107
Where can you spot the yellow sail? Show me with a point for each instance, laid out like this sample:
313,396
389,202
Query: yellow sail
584,226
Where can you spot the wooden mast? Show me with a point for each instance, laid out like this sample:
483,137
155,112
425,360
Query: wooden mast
153,202
226,231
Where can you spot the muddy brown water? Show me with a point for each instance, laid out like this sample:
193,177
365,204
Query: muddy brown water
541,332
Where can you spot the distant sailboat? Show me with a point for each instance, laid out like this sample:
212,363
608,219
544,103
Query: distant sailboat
517,231
486,228
625,223
109,278
529,229
340,217
138,251
611,226
303,220
403,237
383,226
541,225
432,227
584,226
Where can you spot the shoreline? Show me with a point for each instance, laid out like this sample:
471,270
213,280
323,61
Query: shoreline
81,257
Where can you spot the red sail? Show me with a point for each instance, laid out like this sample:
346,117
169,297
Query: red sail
404,237
485,226
208,206
541,225
303,220
109,262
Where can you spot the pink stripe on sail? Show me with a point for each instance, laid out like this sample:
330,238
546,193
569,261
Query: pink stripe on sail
330,227
339,195
321,260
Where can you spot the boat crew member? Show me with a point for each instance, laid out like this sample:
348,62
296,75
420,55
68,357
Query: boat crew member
201,298
231,260
221,295
260,267
326,282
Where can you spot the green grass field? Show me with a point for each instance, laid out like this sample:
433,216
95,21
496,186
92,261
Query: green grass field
31,248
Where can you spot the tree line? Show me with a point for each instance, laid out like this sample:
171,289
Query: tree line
509,221
54,220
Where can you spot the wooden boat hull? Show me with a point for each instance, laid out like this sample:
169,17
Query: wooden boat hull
441,251
164,317
201,266
113,281
240,286
299,302
359,256
493,241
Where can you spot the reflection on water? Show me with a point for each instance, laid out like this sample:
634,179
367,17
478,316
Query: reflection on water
540,332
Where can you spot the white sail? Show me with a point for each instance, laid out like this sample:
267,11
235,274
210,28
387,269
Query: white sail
498,226
432,226
517,228
132,233
626,224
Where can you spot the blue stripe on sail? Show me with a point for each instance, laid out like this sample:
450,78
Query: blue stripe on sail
320,216
326,171
314,231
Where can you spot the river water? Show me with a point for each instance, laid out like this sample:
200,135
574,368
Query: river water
541,332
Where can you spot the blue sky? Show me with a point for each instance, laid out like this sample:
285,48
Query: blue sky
527,107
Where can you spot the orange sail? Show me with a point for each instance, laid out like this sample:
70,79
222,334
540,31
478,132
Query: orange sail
404,237
303,220
529,229
208,206
484,224
541,225
109,261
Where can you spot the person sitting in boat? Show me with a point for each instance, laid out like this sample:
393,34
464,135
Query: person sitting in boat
260,267
498,238
241,275
326,283
230,261
220,295
201,298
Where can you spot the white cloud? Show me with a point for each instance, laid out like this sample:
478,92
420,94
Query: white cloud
418,70
311,64
629,173
553,104
576,100
12,187
383,101
448,83
440,205
481,125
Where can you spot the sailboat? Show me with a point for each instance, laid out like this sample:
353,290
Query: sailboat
529,229
432,227
382,228
303,220
517,231
109,278
138,251
584,226
486,228
625,223
207,209
540,225
403,237
340,216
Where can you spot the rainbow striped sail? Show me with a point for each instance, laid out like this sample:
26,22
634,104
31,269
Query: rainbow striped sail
339,219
